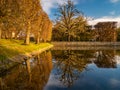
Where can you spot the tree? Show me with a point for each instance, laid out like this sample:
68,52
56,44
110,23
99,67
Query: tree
69,18
118,34
30,9
0,30
9,17
46,28
58,34
106,31
22,19
49,33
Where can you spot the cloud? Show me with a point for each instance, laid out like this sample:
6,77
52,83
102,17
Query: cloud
105,19
114,1
48,5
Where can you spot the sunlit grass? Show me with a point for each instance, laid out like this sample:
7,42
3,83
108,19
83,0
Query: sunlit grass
9,48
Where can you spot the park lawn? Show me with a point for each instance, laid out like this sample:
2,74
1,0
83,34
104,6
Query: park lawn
10,48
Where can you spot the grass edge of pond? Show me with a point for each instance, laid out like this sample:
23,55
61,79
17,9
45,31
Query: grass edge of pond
10,48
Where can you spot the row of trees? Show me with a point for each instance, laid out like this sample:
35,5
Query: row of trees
71,25
23,19
105,31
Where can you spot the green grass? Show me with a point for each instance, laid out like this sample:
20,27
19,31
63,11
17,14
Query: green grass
10,48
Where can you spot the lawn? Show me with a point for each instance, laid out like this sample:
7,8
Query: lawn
10,48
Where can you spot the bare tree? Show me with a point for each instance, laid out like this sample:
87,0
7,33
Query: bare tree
67,14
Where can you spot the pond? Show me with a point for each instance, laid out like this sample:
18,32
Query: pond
63,70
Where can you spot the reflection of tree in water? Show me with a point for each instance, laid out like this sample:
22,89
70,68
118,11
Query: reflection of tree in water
70,64
32,76
105,59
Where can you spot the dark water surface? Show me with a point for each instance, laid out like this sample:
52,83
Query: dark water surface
63,70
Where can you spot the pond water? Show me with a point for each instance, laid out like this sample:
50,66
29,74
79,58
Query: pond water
63,70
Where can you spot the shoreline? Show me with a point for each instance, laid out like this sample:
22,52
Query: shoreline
12,48
69,44
22,57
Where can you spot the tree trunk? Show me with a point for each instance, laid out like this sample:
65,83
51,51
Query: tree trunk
69,37
44,40
38,38
16,35
115,37
0,33
27,38
6,35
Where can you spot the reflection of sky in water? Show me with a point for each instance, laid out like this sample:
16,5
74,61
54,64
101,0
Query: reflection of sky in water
100,79
93,78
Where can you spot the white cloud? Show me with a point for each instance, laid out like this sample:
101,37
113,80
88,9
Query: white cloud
105,19
48,5
114,1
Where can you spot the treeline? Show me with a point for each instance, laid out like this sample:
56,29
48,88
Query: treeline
72,25
22,19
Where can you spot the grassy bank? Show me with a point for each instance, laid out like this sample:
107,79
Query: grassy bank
10,48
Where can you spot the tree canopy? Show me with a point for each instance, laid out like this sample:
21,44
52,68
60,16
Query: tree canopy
70,21
23,19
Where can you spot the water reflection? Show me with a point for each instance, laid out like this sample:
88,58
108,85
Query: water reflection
69,64
63,70
33,74
106,59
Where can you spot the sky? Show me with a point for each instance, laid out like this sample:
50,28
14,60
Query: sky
94,10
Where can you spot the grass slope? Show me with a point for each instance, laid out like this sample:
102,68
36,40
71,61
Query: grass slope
10,48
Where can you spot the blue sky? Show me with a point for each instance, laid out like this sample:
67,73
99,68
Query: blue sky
99,10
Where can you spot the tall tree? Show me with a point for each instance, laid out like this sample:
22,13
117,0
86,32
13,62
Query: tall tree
66,15
0,30
10,13
23,18
30,9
